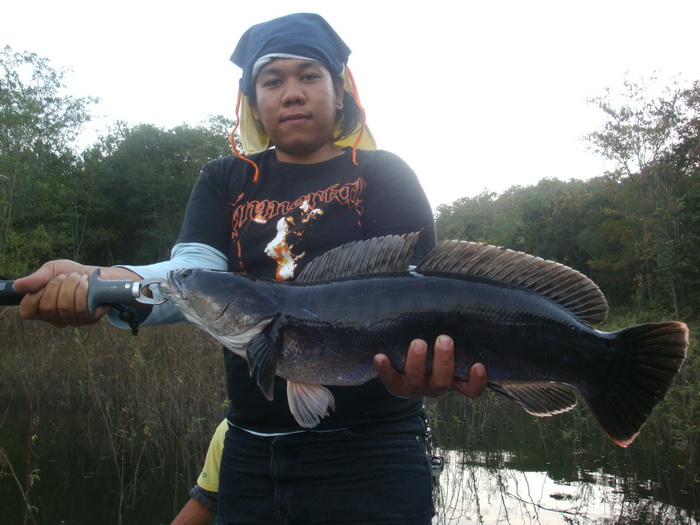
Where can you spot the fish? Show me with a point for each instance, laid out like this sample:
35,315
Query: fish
528,320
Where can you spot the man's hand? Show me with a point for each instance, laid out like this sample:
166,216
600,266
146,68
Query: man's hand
57,293
415,382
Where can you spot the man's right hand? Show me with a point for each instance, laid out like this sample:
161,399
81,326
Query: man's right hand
57,292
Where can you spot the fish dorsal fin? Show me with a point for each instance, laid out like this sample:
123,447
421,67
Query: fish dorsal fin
566,286
377,255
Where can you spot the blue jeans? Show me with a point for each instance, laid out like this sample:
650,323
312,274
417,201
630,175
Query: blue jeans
330,477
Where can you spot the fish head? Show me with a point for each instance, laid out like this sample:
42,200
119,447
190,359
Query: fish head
231,307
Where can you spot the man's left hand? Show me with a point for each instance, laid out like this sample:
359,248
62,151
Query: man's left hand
415,382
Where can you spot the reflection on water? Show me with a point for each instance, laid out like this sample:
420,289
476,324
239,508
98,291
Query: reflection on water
472,493
502,466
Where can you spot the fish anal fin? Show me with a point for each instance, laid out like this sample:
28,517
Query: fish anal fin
391,253
566,286
309,403
539,398
653,355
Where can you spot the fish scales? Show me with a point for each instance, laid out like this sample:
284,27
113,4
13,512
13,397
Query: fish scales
515,331
528,320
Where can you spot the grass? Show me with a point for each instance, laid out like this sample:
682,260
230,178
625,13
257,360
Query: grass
146,400
155,399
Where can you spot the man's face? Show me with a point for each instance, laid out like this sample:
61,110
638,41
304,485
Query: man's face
296,104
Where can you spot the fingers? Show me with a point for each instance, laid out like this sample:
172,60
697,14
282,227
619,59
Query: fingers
414,379
442,377
38,305
72,308
477,383
416,382
57,300
61,302
388,374
57,294
413,382
36,281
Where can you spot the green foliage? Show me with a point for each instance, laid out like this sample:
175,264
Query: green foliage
635,231
128,406
33,108
642,123
121,200
38,169
24,252
142,177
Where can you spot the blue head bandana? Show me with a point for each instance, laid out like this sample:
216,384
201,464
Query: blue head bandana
305,35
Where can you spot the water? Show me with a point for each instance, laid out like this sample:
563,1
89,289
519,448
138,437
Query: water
502,466
472,493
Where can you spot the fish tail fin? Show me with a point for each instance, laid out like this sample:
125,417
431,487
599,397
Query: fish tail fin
652,354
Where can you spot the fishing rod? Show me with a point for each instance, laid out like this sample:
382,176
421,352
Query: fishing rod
119,294
8,295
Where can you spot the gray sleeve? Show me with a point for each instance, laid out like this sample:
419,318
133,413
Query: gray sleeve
210,500
183,255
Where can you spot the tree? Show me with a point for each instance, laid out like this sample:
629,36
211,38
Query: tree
653,138
38,125
143,176
639,126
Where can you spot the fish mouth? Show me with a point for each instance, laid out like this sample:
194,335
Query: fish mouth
172,287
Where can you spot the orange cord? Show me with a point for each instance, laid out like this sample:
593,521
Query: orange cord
233,139
363,124
356,94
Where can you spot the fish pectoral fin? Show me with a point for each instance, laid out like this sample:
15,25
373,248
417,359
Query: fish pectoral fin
538,398
262,362
309,403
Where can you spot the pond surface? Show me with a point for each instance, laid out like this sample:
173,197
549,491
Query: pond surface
472,493
504,466
501,466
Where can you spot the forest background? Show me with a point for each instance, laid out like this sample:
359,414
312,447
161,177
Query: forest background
635,231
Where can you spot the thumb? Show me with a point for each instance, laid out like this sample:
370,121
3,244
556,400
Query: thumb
37,280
